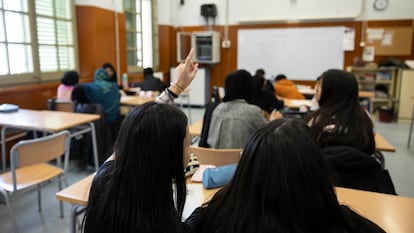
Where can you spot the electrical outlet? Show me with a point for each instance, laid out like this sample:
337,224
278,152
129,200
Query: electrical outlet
225,44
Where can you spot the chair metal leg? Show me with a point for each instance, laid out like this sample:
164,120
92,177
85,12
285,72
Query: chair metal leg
60,202
411,129
9,207
39,197
76,210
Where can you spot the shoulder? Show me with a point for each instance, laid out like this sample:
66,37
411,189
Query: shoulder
359,223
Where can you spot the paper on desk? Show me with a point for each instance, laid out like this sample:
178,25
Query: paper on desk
299,103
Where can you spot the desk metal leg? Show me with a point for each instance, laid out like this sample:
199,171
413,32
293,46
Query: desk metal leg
411,129
94,145
3,148
76,210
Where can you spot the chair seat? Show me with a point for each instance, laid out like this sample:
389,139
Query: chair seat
29,176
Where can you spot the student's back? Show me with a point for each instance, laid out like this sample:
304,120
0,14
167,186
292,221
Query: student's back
281,184
234,120
286,89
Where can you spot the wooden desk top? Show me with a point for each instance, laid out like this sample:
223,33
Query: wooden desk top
196,127
392,213
381,144
135,100
294,104
361,94
45,120
77,193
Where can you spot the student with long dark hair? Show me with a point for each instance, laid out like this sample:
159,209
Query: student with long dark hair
340,120
141,187
345,132
281,185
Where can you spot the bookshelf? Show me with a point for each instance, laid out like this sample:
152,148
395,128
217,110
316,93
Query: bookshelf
381,81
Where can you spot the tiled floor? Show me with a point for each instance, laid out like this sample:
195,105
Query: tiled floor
400,165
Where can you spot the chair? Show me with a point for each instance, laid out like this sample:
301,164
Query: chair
217,157
411,129
56,105
29,168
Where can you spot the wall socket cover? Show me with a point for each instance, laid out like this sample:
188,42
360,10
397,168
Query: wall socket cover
226,44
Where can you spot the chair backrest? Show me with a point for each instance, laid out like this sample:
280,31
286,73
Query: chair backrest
39,150
217,157
63,106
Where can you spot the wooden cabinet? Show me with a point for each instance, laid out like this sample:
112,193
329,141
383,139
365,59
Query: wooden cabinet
382,82
406,95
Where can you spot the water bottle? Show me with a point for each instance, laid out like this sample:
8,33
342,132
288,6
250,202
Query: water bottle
125,81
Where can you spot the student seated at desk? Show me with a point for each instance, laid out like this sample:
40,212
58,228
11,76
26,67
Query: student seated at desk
267,102
141,188
285,88
340,120
68,82
341,123
281,184
150,82
235,119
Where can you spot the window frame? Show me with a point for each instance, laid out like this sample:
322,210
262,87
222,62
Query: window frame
37,76
155,35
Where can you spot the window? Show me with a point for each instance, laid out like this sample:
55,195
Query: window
36,40
141,34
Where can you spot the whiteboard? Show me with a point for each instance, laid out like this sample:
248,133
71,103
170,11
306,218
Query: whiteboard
299,53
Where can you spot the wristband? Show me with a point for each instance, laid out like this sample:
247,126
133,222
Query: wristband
172,93
174,84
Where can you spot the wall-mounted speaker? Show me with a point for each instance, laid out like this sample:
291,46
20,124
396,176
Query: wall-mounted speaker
209,10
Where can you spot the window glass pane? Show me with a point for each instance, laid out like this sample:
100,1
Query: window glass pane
137,6
44,7
138,26
62,9
20,57
129,19
48,59
139,58
64,32
132,57
45,31
3,61
2,37
147,34
138,42
66,58
131,39
15,5
128,4
17,27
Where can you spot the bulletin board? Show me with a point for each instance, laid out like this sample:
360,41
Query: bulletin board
299,53
390,40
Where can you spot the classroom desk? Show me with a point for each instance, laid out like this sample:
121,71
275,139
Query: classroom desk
196,127
361,94
135,100
295,104
392,213
48,121
381,144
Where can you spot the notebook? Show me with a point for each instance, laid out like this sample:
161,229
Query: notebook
8,108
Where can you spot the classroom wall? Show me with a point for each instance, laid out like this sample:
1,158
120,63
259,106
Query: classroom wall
188,14
98,22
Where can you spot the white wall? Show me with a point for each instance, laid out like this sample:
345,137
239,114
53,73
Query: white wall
171,12
113,5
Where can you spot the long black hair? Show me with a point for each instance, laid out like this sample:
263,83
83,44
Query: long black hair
145,189
281,185
339,106
237,85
